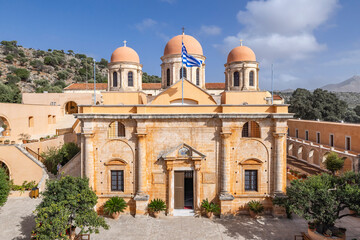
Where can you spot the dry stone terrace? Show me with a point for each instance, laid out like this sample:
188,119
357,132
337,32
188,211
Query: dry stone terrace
17,221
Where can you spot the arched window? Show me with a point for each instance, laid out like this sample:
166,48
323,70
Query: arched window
198,76
181,72
71,107
168,77
116,129
236,79
251,78
5,167
130,79
115,81
251,129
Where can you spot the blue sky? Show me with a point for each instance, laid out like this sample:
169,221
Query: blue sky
311,43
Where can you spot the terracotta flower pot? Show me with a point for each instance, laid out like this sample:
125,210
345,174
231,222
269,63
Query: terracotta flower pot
209,215
253,214
115,215
156,214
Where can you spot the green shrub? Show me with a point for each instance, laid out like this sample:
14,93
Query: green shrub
4,186
210,206
10,93
53,156
9,58
52,61
25,186
23,60
157,205
0,73
103,63
62,75
80,56
114,205
333,162
21,53
22,73
255,206
61,84
12,79
37,64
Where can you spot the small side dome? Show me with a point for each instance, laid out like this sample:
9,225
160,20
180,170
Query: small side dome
174,45
125,54
241,54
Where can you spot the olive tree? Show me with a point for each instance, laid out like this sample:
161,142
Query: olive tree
320,199
68,202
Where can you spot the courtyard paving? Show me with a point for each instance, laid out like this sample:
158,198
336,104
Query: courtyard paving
17,221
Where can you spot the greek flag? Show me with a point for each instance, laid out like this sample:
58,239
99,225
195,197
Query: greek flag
189,60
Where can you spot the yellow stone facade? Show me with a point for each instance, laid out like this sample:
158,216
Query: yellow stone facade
219,143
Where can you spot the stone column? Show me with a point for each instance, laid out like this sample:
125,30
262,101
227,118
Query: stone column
280,167
197,186
170,170
225,197
141,197
88,158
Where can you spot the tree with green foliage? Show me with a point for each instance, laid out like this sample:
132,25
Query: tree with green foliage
351,116
357,110
320,104
333,163
150,78
21,53
103,63
22,73
71,52
10,93
62,75
23,60
4,186
80,56
321,199
53,156
52,61
68,202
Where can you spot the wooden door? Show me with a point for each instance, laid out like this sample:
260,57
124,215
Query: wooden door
179,190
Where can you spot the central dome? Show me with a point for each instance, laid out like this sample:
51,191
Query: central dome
125,54
174,45
241,54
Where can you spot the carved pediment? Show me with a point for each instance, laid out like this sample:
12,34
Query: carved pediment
251,162
115,162
182,151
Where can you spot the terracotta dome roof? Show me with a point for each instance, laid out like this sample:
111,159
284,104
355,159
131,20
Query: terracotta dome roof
241,53
174,45
125,54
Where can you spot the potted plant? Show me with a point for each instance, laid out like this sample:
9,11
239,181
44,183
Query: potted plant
114,206
156,205
311,226
7,141
24,137
210,208
255,208
42,139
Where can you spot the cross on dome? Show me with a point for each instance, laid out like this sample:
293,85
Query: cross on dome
241,42
183,30
125,43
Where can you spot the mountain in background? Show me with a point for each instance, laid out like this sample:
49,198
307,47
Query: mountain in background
350,85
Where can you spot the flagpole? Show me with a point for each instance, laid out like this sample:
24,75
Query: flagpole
182,69
94,85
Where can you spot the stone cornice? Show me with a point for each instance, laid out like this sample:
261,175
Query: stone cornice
185,116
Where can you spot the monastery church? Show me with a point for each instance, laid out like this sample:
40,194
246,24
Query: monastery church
225,142
227,147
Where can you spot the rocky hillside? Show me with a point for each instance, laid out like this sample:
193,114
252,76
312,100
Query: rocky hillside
350,85
51,70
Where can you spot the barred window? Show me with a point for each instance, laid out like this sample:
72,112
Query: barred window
130,79
236,79
251,129
251,180
251,78
182,71
116,129
115,81
117,180
168,77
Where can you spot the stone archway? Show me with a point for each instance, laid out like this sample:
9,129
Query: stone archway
71,107
291,149
5,167
4,127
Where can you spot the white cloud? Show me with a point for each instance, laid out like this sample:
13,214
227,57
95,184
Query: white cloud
282,29
210,30
145,24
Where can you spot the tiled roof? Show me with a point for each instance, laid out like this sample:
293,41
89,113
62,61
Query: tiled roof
220,86
277,97
86,86
149,86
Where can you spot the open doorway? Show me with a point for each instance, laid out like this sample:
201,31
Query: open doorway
184,190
